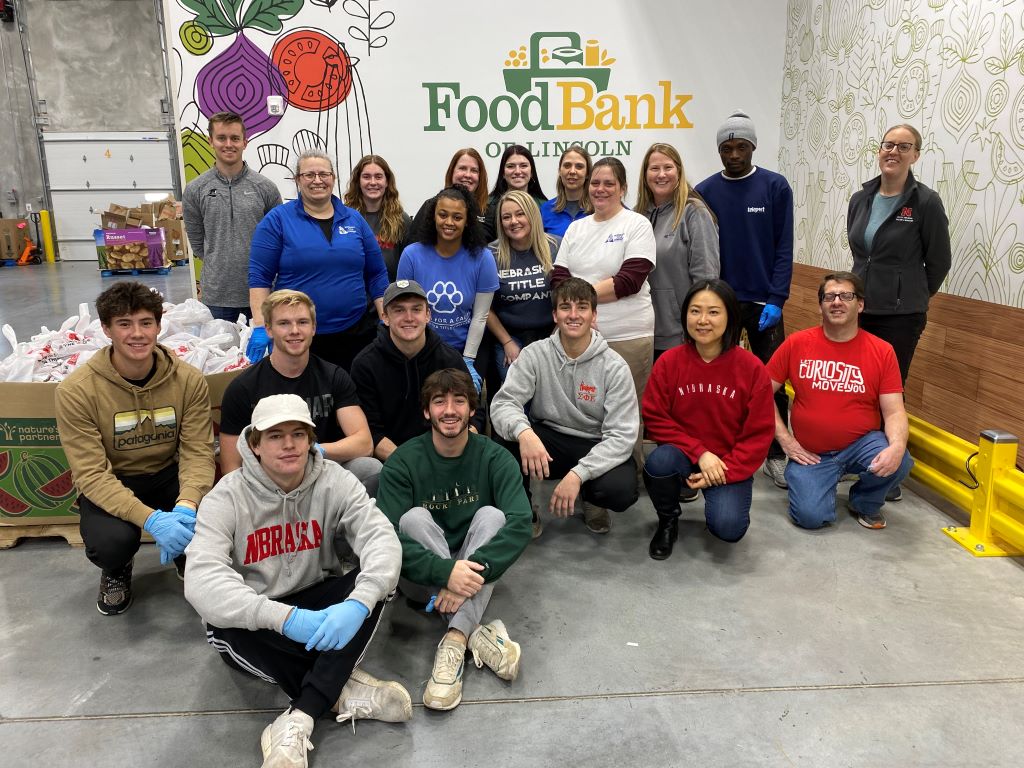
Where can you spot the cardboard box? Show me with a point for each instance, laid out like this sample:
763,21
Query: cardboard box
174,241
130,248
35,481
12,237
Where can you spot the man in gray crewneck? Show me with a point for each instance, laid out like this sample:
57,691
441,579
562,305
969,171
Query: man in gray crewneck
221,209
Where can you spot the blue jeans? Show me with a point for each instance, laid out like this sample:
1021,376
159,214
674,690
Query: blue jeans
726,507
812,488
229,313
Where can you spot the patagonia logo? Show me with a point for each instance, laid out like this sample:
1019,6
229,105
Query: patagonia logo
754,209
906,214
617,237
131,429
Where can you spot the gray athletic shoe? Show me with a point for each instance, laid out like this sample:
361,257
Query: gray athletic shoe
775,470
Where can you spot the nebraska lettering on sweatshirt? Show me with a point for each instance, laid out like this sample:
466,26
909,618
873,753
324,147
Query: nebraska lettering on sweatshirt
277,539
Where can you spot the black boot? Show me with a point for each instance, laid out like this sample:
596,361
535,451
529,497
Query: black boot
664,538
664,495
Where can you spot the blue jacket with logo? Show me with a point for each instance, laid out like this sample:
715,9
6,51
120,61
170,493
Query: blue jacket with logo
910,254
755,232
290,250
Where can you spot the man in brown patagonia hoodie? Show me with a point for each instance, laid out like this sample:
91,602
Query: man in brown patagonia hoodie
134,422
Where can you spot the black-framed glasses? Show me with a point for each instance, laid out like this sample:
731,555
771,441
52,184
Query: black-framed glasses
311,175
903,147
846,296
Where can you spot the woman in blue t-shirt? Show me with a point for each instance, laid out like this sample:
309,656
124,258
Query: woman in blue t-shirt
455,268
524,255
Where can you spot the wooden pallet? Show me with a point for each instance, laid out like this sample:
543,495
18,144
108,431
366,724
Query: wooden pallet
137,271
180,262
10,535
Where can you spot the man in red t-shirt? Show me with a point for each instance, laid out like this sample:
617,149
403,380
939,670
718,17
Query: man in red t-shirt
843,378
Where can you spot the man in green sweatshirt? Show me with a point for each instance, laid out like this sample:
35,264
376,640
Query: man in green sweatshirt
134,422
457,501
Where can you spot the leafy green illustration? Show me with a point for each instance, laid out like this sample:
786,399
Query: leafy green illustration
212,15
268,14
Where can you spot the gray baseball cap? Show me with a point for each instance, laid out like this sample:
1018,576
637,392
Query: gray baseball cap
403,288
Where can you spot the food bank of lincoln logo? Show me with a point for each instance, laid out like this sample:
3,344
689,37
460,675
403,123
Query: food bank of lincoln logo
559,83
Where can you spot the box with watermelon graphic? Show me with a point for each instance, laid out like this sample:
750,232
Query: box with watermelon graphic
36,486
35,482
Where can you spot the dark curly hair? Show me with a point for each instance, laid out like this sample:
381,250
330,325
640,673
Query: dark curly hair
126,298
473,236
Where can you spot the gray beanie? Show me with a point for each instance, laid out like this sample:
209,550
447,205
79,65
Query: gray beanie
738,126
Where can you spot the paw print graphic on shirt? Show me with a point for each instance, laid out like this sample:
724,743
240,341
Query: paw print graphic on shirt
444,297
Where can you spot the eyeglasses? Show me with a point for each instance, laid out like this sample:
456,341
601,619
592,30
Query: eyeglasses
847,296
903,146
311,175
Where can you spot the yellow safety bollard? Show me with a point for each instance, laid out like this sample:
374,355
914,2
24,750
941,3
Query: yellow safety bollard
997,456
46,228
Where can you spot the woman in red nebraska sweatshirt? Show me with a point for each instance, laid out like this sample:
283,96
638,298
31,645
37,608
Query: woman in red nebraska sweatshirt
708,406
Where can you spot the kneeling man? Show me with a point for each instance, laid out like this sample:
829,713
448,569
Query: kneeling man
842,377
259,574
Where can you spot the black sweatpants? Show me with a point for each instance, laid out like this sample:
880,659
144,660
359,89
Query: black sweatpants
902,331
312,679
763,344
616,489
110,541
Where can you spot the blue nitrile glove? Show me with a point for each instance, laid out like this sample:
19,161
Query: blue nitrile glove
302,623
171,534
477,381
342,622
770,316
259,344
323,451
186,515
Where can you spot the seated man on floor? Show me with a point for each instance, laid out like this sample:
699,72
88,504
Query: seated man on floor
390,372
842,377
463,519
134,422
342,433
582,420
259,575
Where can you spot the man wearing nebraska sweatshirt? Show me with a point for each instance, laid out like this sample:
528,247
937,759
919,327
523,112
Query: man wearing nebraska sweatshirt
260,576
134,422
583,419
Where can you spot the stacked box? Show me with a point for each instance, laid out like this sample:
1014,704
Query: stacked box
129,248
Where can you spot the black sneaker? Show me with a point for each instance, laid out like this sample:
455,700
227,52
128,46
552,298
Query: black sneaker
894,494
688,494
115,591
179,567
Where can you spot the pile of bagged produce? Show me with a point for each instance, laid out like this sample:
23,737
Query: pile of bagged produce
187,329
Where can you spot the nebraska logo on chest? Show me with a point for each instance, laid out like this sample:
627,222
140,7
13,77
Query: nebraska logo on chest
906,214
587,392
277,539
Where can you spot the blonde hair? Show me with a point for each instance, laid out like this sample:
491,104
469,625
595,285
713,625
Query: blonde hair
540,241
286,298
684,192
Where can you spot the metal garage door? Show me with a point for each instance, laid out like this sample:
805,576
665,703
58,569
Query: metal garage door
88,171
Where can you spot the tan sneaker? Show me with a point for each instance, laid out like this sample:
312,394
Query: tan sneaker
444,690
538,526
364,697
597,518
285,741
492,646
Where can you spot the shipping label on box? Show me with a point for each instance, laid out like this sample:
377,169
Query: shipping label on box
35,481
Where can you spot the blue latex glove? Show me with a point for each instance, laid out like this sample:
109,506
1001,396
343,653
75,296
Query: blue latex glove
302,623
342,622
184,510
323,451
186,515
171,534
770,316
477,381
259,344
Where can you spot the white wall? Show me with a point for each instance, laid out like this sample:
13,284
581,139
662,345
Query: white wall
723,55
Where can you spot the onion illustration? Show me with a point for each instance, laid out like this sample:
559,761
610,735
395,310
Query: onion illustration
239,80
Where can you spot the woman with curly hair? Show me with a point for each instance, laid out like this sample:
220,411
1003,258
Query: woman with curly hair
373,191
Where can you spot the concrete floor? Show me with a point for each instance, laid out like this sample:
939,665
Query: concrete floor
843,647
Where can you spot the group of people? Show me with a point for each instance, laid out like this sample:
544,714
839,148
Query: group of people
386,347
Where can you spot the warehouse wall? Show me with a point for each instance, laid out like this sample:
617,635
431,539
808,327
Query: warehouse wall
20,176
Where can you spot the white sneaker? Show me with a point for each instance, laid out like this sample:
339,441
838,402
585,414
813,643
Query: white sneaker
492,646
775,470
444,690
364,697
285,741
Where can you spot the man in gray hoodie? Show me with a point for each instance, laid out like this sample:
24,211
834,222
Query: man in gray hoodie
582,420
260,575
221,208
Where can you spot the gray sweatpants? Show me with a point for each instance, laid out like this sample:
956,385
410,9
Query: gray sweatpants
418,524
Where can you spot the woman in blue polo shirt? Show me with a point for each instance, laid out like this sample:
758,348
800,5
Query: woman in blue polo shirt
319,246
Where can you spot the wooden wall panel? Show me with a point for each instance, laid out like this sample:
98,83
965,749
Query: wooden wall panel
968,371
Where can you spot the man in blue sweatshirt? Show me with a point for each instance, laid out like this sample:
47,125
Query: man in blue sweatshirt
582,421
754,207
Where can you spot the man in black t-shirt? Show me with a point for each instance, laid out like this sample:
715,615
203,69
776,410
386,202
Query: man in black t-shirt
341,430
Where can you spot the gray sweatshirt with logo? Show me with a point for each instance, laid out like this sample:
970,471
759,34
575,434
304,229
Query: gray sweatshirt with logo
220,216
591,396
